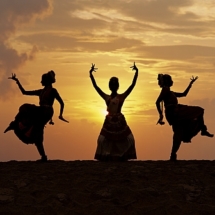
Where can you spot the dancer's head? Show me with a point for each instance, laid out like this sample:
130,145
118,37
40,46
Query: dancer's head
48,78
165,80
114,84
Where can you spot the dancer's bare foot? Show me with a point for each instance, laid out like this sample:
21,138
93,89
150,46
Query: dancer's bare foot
43,159
173,157
206,133
10,127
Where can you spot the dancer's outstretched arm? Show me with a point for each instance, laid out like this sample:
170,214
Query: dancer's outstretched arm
131,87
187,89
24,92
99,91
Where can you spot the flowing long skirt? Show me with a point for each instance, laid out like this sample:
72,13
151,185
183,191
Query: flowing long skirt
30,121
185,120
116,141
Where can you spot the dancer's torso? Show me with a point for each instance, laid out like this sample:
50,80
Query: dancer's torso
169,97
46,95
114,105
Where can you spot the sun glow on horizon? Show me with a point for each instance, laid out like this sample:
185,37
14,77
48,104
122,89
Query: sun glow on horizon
104,112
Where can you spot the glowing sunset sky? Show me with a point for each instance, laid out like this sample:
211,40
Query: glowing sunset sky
161,36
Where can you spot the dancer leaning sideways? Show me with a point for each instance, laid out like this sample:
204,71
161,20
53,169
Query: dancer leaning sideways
116,141
186,121
31,119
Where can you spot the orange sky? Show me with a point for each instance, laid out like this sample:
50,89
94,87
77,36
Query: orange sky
161,36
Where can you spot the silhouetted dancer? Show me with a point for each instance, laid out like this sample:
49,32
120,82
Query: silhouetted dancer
186,121
116,141
30,121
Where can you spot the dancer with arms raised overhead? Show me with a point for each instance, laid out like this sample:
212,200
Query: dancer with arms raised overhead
116,141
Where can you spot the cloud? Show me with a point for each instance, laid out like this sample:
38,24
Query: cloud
180,58
182,17
133,29
111,25
14,14
137,18
51,42
179,52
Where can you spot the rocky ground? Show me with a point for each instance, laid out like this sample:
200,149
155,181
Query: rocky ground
116,188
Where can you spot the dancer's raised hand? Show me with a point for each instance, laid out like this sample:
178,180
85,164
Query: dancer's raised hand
193,79
13,77
93,69
134,67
